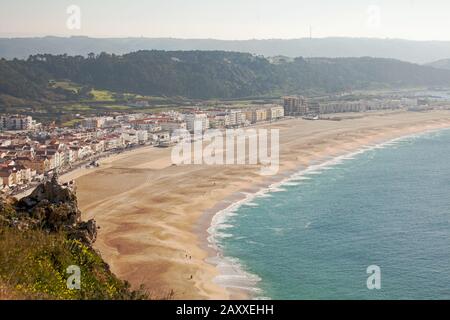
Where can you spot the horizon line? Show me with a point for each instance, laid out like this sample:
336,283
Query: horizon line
5,36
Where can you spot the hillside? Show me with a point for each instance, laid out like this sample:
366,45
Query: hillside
406,50
440,64
208,74
40,237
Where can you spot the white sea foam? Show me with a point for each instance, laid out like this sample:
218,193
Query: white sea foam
293,184
300,178
263,195
232,273
225,226
276,189
251,204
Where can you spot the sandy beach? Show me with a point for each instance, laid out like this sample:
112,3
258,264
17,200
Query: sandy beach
154,216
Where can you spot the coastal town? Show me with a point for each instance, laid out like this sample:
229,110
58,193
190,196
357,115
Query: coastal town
223,159
31,151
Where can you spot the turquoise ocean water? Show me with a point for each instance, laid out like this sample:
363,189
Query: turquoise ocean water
314,236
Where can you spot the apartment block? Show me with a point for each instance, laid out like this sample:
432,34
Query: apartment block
294,106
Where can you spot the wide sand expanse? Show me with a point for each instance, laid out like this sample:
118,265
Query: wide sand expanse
152,214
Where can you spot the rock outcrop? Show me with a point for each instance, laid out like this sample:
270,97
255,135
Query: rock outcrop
52,207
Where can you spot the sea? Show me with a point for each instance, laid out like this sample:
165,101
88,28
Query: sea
316,234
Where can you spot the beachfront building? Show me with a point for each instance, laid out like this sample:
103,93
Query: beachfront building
142,136
148,125
313,107
294,106
256,115
130,138
172,125
201,119
160,138
366,105
260,115
70,155
275,112
343,106
220,120
236,118
113,142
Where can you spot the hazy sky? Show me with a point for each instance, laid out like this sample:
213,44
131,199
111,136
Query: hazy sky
230,19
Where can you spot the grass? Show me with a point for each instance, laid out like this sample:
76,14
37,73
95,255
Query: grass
102,95
33,266
77,107
34,262
116,107
66,85
71,123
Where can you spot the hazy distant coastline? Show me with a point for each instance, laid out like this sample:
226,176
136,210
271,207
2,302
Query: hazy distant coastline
332,47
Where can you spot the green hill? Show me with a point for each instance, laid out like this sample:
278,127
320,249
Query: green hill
208,74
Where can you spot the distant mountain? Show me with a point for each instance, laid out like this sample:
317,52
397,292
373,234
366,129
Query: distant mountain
406,50
440,64
209,74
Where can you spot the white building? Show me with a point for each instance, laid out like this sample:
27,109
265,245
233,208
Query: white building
142,136
220,120
172,126
275,112
201,119
17,122
149,126
98,122
160,137
113,142
130,138
237,118
84,151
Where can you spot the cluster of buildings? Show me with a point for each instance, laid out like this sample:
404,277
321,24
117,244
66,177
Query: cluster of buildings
216,118
245,116
30,154
29,151
366,105
296,106
25,158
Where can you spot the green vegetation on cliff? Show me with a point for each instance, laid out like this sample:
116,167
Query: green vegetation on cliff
40,237
33,265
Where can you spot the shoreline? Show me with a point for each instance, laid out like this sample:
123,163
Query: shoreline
154,217
238,282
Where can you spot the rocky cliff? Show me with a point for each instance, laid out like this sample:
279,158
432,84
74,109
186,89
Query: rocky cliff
52,207
41,236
